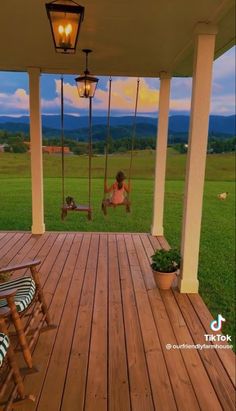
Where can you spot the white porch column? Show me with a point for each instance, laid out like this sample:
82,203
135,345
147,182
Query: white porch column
196,159
161,150
38,226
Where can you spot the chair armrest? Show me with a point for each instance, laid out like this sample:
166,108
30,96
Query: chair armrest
5,312
7,293
27,264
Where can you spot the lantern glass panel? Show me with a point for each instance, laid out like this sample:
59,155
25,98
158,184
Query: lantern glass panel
65,22
86,86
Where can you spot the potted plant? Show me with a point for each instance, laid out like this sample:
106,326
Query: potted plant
165,264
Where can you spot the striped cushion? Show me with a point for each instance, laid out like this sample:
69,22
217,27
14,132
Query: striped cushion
25,292
4,344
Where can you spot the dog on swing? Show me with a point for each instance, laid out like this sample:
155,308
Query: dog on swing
70,202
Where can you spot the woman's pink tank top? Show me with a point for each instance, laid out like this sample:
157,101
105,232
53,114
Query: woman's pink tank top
118,195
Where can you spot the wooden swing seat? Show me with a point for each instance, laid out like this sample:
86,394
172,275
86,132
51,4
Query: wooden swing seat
116,205
79,208
106,204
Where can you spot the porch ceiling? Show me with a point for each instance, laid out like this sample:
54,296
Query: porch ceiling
130,38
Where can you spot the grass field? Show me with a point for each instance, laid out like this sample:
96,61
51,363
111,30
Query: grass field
219,167
216,268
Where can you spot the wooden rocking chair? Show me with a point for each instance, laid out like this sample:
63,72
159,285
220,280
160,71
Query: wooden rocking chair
10,369
28,294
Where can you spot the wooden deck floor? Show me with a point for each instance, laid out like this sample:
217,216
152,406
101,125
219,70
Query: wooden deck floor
109,349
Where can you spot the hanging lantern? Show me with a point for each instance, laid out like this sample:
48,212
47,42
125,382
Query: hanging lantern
65,18
86,84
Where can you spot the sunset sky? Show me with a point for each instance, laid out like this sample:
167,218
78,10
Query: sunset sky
14,90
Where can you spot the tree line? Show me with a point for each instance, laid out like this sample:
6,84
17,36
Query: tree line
16,143
214,146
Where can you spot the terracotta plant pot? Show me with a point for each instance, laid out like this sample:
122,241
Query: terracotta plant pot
164,280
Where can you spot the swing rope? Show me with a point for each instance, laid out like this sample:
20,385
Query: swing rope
62,142
133,137
107,137
86,208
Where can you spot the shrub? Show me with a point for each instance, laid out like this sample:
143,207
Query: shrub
166,261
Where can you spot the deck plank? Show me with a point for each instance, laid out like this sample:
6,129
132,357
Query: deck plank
214,378
202,386
29,252
140,389
96,390
216,372
108,352
143,261
6,237
11,248
162,241
2,234
74,397
226,356
51,394
154,241
158,374
118,380
181,383
56,263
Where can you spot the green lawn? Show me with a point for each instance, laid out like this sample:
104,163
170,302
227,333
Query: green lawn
219,167
216,269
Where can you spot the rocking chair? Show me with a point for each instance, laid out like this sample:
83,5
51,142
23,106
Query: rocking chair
9,368
28,294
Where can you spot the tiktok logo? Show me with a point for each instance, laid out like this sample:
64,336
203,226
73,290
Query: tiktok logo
216,325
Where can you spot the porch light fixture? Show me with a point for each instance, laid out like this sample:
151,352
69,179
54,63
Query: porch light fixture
86,84
65,18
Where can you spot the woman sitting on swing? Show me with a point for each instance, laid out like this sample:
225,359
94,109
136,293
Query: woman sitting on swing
118,191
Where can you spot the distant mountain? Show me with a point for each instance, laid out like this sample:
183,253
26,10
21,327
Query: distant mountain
75,123
217,124
75,127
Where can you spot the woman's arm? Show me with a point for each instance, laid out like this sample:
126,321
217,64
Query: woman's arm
127,188
108,189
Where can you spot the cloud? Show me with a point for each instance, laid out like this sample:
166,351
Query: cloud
224,66
181,87
14,102
223,105
18,101
180,104
123,96
122,99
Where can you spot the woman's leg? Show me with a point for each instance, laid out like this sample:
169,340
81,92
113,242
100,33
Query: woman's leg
105,203
127,203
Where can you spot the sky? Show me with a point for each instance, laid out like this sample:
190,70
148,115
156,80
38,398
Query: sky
14,93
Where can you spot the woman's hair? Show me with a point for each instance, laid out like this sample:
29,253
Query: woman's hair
120,177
